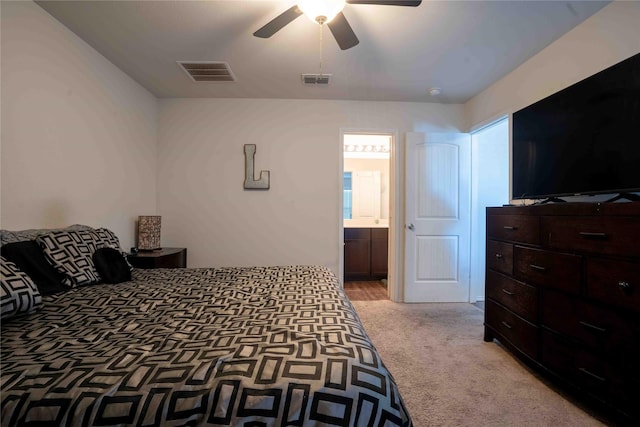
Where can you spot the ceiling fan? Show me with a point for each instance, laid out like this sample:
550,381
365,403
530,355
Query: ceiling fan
329,12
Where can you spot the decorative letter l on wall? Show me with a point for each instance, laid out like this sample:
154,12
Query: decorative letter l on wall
249,182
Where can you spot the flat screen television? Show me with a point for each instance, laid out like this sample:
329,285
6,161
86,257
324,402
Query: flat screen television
582,140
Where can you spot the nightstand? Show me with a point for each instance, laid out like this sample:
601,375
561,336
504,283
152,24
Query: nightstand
161,258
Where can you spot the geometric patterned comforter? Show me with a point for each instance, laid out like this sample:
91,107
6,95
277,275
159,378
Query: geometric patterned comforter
258,346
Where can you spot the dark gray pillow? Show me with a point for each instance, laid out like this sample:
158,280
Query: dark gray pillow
106,238
111,265
28,256
8,236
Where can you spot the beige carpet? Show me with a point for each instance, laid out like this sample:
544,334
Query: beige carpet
449,376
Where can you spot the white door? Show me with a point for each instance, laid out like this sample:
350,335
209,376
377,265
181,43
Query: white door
437,214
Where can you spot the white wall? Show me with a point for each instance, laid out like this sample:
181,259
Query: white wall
489,187
201,171
604,39
78,135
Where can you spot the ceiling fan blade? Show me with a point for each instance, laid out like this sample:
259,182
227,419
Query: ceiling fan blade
277,23
342,32
413,3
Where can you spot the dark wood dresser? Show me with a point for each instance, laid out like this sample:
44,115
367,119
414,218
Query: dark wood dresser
161,258
563,294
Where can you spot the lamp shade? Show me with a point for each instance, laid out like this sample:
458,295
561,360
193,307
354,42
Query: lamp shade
148,232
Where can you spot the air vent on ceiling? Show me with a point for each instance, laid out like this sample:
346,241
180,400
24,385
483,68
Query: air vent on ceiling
208,71
316,79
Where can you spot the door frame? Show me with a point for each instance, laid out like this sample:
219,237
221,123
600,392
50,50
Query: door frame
395,276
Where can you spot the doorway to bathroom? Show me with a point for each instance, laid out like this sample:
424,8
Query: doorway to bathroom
366,210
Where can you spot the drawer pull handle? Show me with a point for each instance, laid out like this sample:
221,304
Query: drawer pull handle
507,292
537,267
593,327
589,235
625,287
506,324
509,227
498,256
591,374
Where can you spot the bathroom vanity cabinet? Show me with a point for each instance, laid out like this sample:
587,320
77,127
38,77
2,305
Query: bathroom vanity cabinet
365,253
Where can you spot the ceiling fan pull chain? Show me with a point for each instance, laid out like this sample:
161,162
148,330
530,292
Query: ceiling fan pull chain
321,30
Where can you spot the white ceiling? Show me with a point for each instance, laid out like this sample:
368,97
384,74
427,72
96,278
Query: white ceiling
460,46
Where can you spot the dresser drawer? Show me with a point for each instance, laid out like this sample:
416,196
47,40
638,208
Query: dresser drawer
516,330
614,282
605,331
599,377
515,228
518,297
570,361
603,235
500,256
546,268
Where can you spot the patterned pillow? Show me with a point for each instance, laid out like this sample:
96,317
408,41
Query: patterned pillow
70,253
18,293
106,238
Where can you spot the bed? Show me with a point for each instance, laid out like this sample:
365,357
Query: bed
256,346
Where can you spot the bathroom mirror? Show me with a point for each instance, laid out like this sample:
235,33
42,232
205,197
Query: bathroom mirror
366,180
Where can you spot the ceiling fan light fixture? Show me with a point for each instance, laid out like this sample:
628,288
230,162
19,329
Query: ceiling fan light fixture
321,11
